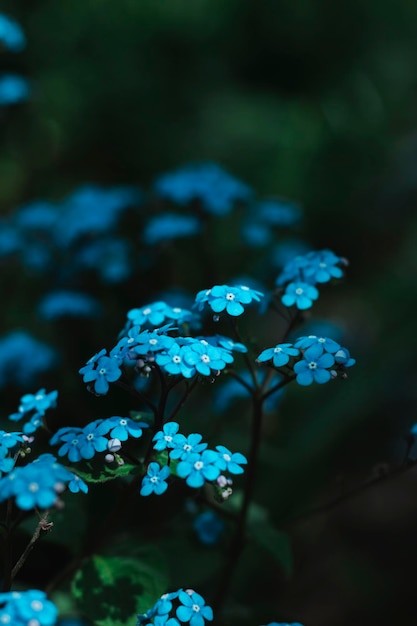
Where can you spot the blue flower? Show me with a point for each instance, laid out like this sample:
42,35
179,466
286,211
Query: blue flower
24,608
173,361
76,484
155,480
199,467
92,209
207,359
58,304
300,294
209,527
182,446
215,189
342,357
109,257
150,342
194,609
164,438
101,370
154,314
123,427
167,226
9,440
13,89
36,484
23,358
328,345
312,267
226,298
11,35
92,440
280,355
70,437
277,212
230,462
39,402
314,367
39,215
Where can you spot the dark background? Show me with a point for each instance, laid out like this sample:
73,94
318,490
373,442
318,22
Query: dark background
315,101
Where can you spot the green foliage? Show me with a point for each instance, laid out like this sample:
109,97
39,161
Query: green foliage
112,590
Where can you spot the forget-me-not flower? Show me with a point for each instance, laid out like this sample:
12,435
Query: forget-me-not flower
155,480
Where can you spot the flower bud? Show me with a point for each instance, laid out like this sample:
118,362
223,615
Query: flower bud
114,445
109,458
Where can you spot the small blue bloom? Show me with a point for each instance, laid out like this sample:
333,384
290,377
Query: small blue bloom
168,226
342,357
278,212
227,298
164,438
314,367
207,359
300,294
102,371
199,467
230,462
37,216
215,189
280,355
70,437
23,358
153,314
76,484
328,345
209,527
109,257
39,402
173,361
92,439
182,446
11,34
312,268
194,609
155,480
59,304
123,427
13,89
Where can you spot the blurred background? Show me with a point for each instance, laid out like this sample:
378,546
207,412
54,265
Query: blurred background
313,102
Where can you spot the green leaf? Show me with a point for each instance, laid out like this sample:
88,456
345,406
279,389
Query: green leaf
112,590
102,475
276,542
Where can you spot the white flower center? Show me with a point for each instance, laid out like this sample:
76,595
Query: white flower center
230,296
102,371
205,358
321,340
147,311
154,479
153,342
90,437
198,465
33,487
186,447
312,365
176,359
177,309
299,291
168,438
123,422
196,608
277,349
227,457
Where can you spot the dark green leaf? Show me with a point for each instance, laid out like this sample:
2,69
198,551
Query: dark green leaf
111,591
102,475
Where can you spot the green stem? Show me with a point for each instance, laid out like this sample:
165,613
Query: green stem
238,541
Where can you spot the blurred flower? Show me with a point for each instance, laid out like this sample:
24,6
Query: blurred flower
60,304
13,89
216,190
208,527
23,358
110,258
11,34
169,226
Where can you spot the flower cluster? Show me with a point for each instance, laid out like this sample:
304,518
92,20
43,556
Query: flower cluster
303,272
172,609
158,313
37,484
215,189
196,464
226,298
27,608
102,435
312,359
33,407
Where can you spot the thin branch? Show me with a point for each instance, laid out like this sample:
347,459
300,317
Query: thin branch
43,526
